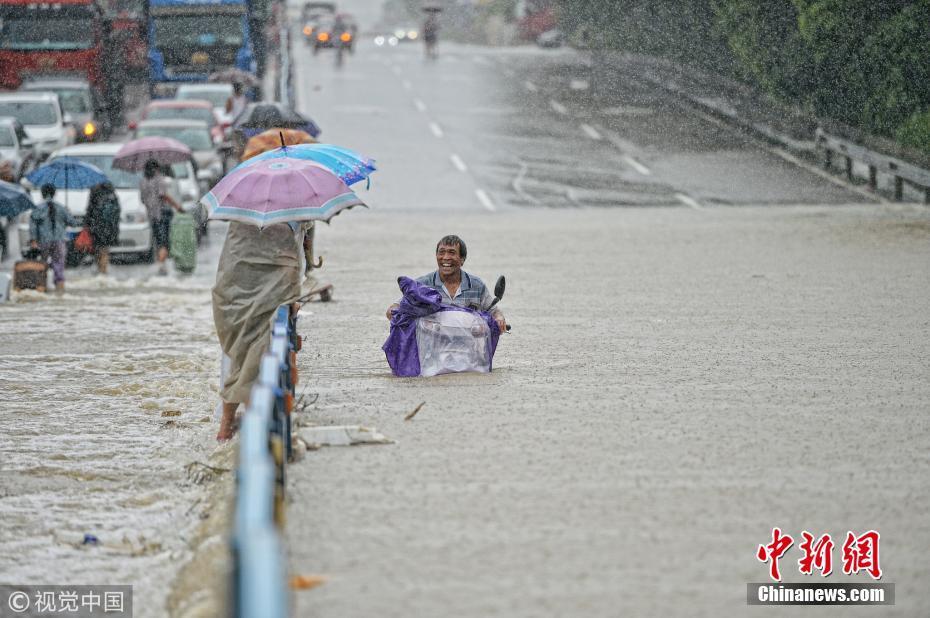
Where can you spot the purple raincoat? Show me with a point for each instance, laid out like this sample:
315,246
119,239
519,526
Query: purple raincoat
418,301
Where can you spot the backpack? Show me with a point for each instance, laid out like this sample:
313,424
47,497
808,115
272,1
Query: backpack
110,210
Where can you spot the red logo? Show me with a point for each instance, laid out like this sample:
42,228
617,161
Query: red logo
774,551
860,553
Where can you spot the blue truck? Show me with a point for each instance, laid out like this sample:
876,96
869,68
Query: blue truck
188,40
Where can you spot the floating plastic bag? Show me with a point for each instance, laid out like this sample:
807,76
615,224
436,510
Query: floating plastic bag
452,342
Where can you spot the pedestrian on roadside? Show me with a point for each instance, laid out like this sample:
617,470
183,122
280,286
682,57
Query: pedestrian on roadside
6,175
258,271
48,232
158,202
102,221
236,103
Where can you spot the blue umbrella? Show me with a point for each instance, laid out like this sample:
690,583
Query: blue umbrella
67,173
13,200
349,166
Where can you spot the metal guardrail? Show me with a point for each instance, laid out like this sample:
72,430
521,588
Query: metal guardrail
259,585
899,169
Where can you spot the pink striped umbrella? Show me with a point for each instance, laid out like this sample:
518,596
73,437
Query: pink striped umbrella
134,154
278,191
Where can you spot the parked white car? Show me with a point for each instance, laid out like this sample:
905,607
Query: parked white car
135,235
40,113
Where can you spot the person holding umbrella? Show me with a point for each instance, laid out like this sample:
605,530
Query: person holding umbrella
269,205
48,232
154,189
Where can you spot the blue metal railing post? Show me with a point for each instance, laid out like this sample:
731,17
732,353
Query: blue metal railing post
259,583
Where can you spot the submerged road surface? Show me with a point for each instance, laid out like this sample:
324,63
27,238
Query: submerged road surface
708,342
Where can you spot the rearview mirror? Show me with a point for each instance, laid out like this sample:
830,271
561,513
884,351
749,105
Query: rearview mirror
499,287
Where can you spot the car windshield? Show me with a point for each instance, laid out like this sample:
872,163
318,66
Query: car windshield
6,137
217,98
46,32
74,100
30,112
180,170
120,179
181,113
186,31
193,138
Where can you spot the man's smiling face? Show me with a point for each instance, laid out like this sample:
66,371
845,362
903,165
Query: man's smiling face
449,261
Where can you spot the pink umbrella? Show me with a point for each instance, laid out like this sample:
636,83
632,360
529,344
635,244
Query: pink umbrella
277,191
133,155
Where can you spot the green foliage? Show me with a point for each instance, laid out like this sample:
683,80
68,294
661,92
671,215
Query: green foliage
915,131
862,62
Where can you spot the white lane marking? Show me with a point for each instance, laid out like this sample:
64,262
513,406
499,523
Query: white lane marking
406,84
485,200
687,200
458,163
558,107
518,184
420,105
530,86
636,165
591,131
436,129
578,84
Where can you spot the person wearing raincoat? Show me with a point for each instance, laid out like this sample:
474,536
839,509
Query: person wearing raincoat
259,270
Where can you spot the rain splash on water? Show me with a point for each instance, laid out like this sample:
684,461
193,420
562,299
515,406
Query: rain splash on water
108,396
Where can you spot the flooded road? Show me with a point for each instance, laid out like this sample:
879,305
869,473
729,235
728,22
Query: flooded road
107,400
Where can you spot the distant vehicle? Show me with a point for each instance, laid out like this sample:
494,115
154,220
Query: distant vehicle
61,38
77,99
313,10
191,39
15,146
535,17
178,109
135,236
551,38
216,93
335,33
407,34
323,36
41,116
195,135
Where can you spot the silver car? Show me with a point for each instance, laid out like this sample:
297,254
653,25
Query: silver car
16,147
40,112
194,134
77,100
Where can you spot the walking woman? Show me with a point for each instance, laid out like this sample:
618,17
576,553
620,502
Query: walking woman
158,202
48,232
259,270
102,221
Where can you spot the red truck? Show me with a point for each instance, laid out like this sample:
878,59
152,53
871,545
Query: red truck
64,38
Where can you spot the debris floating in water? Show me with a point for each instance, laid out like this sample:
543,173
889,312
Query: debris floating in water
414,412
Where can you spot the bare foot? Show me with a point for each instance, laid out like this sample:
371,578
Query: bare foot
227,433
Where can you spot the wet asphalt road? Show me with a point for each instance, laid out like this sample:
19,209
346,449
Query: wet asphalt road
709,342
527,129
